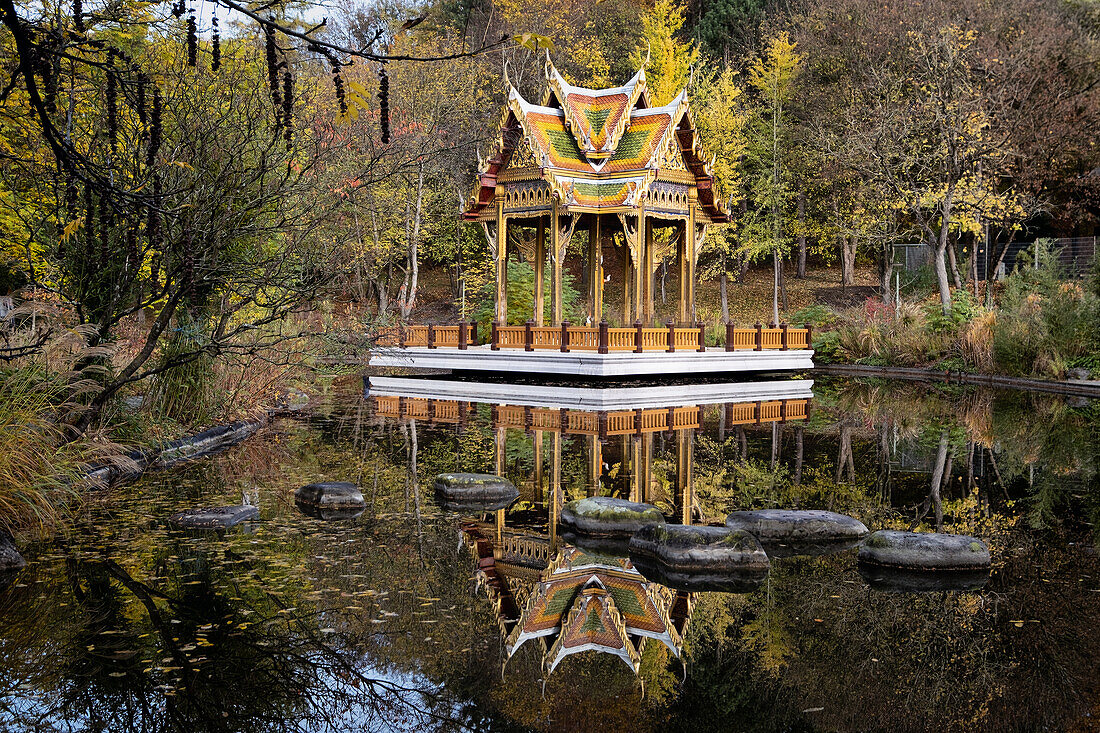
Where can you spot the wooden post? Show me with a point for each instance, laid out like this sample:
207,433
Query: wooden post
494,336
431,337
731,336
682,312
528,336
647,278
401,335
603,337
473,332
759,337
563,420
539,299
783,335
702,335
556,312
462,336
809,335
628,279
638,421
555,488
671,326
671,420
756,410
783,411
637,337
528,419
500,264
565,336
595,278
601,424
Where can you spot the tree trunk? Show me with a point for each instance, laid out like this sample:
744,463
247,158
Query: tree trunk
801,273
775,286
723,289
954,264
414,246
941,248
798,453
847,261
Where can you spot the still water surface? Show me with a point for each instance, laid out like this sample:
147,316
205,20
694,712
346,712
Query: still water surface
404,617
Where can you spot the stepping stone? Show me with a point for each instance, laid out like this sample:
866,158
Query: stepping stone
330,500
901,580
604,515
10,559
219,517
690,549
737,581
474,492
797,525
924,551
331,495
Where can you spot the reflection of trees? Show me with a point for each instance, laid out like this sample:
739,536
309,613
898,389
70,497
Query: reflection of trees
210,648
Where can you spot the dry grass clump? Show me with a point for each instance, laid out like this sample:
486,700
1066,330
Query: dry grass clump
38,466
976,341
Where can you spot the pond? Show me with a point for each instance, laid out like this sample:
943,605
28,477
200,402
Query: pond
404,617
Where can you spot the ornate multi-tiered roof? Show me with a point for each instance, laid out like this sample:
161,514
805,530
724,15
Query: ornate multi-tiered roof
596,150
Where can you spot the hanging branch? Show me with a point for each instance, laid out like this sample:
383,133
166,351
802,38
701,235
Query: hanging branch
288,108
384,103
215,44
192,38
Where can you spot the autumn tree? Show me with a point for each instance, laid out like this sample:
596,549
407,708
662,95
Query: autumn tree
765,226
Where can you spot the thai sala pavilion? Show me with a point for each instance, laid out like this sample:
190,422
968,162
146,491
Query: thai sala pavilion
603,161
605,168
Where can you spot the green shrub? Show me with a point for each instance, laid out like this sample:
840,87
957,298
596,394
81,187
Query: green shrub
521,298
827,348
816,315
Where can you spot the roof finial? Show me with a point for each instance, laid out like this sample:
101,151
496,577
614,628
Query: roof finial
549,64
691,75
507,81
648,49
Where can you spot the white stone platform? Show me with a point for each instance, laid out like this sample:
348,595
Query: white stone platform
591,398
592,364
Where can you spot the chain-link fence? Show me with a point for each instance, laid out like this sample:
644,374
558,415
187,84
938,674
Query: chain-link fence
1076,255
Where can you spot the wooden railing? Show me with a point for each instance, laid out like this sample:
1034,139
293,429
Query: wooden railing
581,422
602,338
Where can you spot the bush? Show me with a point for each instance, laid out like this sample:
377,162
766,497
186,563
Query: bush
1045,323
521,286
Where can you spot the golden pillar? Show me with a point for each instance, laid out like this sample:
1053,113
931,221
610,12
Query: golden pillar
555,487
637,474
537,476
684,494
647,259
595,270
595,464
501,262
540,263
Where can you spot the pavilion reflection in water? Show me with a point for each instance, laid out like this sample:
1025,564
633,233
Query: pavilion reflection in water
563,598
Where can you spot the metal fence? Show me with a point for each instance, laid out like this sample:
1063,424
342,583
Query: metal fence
1076,255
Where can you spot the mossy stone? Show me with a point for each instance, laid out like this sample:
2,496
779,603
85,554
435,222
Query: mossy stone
473,492
607,516
694,548
924,550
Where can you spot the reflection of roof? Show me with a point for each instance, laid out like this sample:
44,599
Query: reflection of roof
594,602
597,148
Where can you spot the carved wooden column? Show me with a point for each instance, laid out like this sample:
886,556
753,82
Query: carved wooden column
684,449
647,276
561,231
637,475
501,261
555,487
540,263
595,271
537,475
